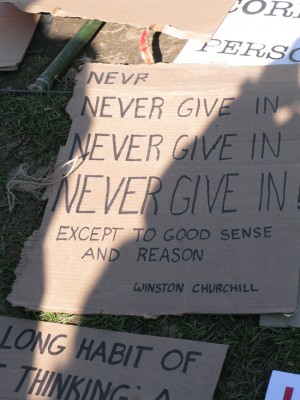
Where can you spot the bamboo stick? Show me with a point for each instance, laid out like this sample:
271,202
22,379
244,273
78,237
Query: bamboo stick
81,38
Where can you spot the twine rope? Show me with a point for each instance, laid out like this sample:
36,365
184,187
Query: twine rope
22,181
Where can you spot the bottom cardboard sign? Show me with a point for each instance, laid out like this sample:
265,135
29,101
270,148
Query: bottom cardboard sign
53,361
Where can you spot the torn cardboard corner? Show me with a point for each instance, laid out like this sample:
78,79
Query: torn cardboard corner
186,198
42,359
200,17
16,30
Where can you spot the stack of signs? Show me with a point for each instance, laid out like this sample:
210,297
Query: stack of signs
255,32
40,359
185,196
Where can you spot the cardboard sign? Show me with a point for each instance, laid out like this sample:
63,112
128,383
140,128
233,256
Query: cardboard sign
16,31
201,17
44,360
282,320
274,40
283,386
185,196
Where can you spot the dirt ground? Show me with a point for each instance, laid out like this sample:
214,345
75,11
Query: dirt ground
114,43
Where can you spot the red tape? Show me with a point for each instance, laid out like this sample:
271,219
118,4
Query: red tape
144,48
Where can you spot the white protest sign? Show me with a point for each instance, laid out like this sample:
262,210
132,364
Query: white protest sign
283,386
254,32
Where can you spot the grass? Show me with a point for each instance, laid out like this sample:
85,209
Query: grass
32,128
